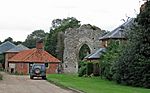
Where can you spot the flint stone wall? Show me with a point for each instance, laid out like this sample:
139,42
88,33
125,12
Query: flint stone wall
74,39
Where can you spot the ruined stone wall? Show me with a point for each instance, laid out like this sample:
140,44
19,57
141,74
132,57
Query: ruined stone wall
74,39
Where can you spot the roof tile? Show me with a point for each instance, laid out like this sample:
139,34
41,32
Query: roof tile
33,55
18,48
6,46
119,32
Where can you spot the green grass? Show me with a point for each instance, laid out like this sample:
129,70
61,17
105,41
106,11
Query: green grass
93,84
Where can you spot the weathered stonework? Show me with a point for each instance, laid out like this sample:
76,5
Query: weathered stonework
74,40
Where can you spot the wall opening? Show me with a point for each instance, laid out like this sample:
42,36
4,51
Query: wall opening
84,51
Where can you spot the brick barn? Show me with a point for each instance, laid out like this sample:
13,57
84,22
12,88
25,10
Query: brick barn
22,62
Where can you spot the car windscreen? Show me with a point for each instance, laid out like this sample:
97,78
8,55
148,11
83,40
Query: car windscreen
39,66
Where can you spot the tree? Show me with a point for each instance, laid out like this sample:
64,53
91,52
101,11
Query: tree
8,39
132,67
56,23
17,42
12,41
30,42
54,42
109,58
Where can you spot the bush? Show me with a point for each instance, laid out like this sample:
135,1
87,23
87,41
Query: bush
1,69
109,58
1,77
89,69
82,69
96,69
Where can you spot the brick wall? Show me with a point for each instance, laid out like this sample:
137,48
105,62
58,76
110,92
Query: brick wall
22,68
7,57
52,68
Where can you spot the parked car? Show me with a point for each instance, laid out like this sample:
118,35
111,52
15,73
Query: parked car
38,70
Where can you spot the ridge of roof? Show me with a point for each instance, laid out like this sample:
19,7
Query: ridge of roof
18,48
118,31
6,46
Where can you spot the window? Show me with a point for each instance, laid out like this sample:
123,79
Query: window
46,65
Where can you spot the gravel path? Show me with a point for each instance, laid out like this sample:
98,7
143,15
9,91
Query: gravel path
22,84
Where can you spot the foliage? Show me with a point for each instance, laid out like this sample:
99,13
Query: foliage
1,69
132,67
92,84
96,69
17,42
1,77
12,41
56,23
8,39
108,59
89,69
2,59
30,41
82,69
54,42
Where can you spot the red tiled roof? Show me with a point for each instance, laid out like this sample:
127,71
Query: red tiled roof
33,55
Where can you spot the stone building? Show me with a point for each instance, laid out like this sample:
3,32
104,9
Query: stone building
74,39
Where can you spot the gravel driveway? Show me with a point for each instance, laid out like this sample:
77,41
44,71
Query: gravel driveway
22,84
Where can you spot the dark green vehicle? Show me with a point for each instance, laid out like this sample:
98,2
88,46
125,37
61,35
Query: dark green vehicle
38,70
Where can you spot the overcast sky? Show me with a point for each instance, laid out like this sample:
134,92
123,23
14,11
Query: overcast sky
18,18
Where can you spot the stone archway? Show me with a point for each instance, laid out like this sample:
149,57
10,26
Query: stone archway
84,51
74,40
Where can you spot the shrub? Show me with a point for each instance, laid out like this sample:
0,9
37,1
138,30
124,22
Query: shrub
89,69
96,69
82,69
109,58
1,76
1,69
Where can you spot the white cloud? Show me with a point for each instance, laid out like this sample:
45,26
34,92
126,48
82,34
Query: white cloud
24,16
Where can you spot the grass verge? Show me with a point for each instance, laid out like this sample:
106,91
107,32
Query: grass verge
92,84
63,86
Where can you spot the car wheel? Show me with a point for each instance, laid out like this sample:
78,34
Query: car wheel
37,71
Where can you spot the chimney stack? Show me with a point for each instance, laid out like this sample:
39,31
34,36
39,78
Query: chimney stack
39,44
